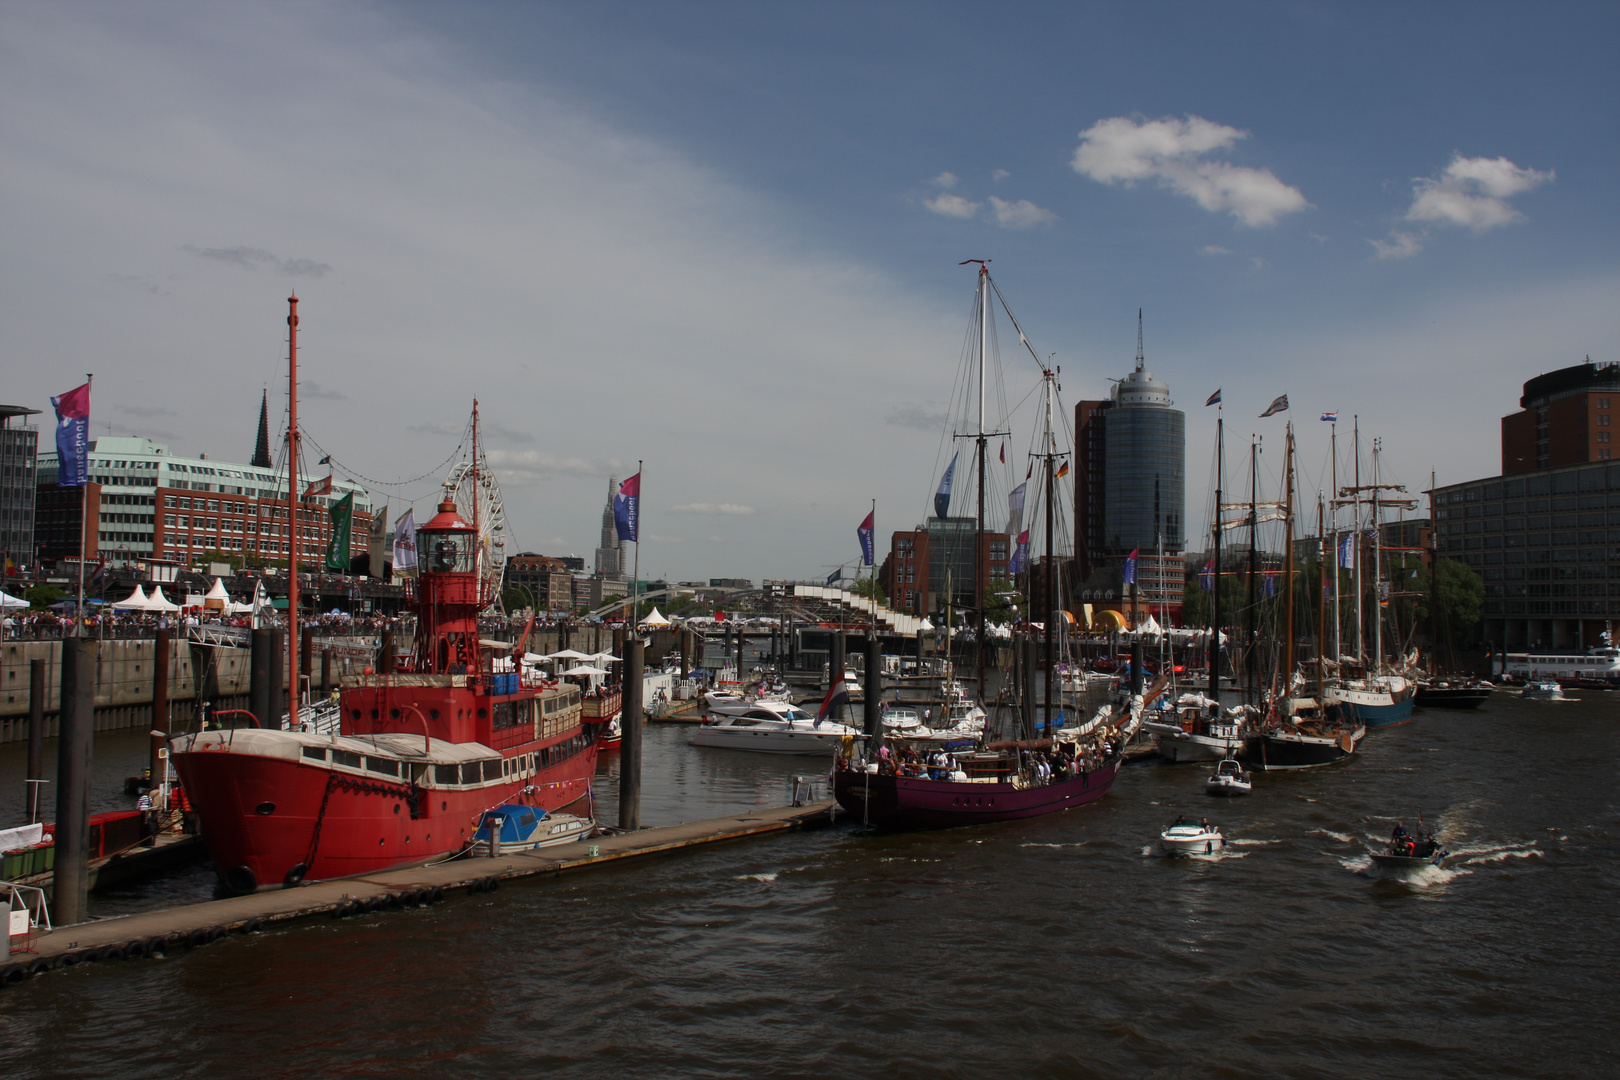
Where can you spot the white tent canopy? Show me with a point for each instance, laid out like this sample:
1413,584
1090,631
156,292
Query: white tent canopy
654,619
568,654
585,670
9,601
217,591
135,601
1149,627
158,602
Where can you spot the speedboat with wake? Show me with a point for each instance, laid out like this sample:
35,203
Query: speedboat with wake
1410,853
1228,779
1183,838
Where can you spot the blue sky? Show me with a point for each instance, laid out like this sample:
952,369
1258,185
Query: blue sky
724,237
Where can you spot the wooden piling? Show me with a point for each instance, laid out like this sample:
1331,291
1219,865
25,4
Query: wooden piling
75,752
631,731
36,739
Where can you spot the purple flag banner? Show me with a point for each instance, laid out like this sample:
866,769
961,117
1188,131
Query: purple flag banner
1130,567
73,437
627,509
864,533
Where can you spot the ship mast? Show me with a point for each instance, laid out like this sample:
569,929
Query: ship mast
1288,565
979,567
1215,580
292,504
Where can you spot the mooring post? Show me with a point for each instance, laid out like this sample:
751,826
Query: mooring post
259,677
326,669
385,655
162,656
873,682
630,728
75,751
280,662
36,738
686,651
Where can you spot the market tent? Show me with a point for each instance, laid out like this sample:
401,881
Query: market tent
1149,627
654,619
135,601
158,602
216,597
9,601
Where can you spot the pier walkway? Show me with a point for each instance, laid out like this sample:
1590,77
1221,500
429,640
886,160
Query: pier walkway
172,929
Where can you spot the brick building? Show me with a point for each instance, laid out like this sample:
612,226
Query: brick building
547,581
922,560
1565,418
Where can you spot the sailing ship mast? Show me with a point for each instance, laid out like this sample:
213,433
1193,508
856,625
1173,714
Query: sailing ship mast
979,567
1288,564
1053,606
1251,673
292,503
1215,580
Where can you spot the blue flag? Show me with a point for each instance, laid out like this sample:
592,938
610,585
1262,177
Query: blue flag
1020,558
942,497
73,437
627,509
1271,583
1347,552
1206,576
1130,567
864,533
835,577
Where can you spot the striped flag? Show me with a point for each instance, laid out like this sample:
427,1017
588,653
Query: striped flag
1331,417
837,695
1277,406
1214,399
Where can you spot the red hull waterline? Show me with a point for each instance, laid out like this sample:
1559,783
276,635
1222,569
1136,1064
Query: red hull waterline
905,802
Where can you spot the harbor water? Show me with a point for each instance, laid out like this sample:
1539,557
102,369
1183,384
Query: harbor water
1063,946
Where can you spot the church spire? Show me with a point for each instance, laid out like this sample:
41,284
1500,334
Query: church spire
261,452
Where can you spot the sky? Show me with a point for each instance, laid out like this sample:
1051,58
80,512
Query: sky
723,238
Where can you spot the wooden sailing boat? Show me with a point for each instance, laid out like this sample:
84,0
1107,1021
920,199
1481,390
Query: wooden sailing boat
1003,779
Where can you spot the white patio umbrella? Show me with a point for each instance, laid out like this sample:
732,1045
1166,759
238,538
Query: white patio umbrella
585,670
568,654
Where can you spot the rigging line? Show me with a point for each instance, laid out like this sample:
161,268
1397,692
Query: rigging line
352,474
1024,340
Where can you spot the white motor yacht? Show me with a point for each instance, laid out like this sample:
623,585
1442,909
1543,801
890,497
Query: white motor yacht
1182,839
1543,691
770,727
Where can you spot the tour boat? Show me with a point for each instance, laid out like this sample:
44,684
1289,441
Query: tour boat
1197,730
420,753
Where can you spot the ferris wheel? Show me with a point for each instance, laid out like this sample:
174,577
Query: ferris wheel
472,487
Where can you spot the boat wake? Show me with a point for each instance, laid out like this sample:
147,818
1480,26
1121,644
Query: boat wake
1484,855
1243,841
1343,838
771,876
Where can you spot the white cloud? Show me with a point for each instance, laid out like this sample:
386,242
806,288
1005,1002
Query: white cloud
1400,245
999,175
1120,150
1214,249
951,205
1473,193
946,180
1022,214
714,509
534,461
916,416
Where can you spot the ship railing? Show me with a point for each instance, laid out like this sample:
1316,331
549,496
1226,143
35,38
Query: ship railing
210,634
323,718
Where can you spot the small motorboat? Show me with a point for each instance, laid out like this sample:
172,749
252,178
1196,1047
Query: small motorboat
515,827
1184,839
1547,690
772,727
1410,853
1228,779
1453,692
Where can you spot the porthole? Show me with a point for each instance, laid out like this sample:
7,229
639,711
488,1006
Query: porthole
354,714
433,714
266,808
379,841
482,712
393,714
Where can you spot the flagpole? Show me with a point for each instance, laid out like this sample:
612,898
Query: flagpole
84,508
635,584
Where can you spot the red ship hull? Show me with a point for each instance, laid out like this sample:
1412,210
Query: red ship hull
274,820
